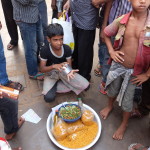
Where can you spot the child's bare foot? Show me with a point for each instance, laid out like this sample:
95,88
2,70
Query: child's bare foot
20,123
118,135
18,148
105,112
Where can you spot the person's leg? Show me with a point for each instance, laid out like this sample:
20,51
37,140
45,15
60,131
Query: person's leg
75,52
44,18
28,33
112,91
3,74
49,88
118,135
77,84
138,146
10,23
51,94
9,115
127,106
84,52
144,106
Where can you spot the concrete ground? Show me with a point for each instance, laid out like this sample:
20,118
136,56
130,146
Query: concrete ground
34,136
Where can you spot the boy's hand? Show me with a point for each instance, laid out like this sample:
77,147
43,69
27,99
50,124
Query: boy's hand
67,5
59,66
116,56
139,79
71,74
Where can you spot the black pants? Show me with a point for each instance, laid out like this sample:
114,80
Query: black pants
83,52
144,106
9,115
51,94
10,23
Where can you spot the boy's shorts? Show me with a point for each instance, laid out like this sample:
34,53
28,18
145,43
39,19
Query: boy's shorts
114,88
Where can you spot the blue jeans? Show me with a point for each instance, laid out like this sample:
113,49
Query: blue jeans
30,34
103,57
3,74
44,19
9,115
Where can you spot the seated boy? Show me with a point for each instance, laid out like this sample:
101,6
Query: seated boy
131,59
54,56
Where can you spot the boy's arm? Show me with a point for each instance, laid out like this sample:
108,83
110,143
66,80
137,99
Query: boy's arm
109,31
44,68
106,17
139,79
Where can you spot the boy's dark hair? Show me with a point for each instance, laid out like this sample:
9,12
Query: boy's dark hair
54,30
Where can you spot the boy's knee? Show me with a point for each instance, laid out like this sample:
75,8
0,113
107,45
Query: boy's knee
49,98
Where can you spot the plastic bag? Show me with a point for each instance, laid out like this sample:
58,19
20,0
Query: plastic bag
75,127
87,117
67,27
60,130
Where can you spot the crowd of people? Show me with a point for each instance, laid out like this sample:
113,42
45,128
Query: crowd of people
124,54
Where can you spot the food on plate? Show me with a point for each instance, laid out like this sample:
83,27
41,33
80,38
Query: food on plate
70,112
81,138
74,127
87,117
60,130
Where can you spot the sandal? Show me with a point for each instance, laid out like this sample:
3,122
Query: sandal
97,71
135,146
135,114
10,46
15,85
36,77
102,89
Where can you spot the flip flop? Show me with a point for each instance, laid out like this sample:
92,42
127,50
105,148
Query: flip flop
36,77
97,73
135,114
10,46
15,85
139,148
102,89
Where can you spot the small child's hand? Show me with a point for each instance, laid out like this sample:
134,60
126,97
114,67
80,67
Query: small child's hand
116,56
71,74
59,66
139,79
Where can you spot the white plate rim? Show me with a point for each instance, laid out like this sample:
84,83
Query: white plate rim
83,148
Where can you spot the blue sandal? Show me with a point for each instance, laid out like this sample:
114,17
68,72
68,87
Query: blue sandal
36,76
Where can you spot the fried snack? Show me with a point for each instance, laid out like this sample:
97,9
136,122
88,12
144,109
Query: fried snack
87,117
74,127
60,130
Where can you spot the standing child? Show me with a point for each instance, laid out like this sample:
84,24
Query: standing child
54,56
131,59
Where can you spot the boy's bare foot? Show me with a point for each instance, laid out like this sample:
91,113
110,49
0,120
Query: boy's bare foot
105,112
20,123
18,148
118,135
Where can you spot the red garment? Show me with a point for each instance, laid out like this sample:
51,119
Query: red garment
117,28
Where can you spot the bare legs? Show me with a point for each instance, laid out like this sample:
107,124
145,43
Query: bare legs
118,135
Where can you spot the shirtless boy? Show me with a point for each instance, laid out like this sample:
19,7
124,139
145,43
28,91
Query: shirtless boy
131,59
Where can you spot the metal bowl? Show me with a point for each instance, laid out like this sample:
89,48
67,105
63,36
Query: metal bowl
49,126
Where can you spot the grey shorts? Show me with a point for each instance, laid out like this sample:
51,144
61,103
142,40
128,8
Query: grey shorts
114,88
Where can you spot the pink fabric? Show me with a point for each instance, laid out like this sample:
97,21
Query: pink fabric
117,28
